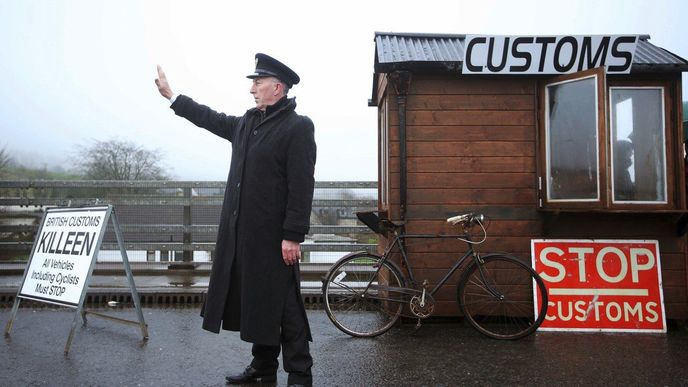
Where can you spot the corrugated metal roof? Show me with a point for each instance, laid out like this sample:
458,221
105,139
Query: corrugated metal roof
419,48
399,50
395,48
647,53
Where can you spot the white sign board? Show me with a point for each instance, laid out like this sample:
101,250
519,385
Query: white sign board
495,54
601,285
60,263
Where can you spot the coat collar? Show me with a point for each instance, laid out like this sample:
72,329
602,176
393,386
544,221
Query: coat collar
283,104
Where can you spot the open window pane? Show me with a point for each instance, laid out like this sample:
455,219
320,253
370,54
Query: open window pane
572,140
384,154
638,145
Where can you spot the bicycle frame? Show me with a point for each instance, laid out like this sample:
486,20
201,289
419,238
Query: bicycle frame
378,286
397,241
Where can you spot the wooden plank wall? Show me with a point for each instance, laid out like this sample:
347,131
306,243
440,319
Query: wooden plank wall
471,146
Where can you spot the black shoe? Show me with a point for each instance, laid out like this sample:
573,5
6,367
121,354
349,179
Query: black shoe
252,375
303,383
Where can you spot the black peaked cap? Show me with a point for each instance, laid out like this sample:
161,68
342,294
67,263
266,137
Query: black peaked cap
267,66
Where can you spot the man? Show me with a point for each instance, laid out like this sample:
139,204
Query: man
254,285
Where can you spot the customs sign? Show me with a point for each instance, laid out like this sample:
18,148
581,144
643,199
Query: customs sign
601,285
494,54
60,262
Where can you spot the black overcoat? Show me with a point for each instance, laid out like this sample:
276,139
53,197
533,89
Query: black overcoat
268,198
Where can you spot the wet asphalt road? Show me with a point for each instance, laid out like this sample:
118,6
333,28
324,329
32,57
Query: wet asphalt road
179,353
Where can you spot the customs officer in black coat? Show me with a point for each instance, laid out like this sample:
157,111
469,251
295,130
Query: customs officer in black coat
254,283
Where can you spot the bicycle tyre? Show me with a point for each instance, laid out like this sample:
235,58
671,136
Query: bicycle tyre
511,316
353,306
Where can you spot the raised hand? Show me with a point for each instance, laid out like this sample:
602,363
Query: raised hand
163,85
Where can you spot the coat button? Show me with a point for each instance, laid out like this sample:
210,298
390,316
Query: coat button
255,132
238,185
235,212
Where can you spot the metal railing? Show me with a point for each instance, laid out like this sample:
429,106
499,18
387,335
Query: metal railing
164,222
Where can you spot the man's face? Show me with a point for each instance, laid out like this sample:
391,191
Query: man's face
266,91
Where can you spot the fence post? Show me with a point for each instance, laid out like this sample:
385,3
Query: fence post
188,254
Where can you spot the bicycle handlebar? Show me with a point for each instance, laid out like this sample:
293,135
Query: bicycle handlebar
469,219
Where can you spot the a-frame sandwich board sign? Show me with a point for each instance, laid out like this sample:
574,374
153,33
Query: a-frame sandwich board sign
62,260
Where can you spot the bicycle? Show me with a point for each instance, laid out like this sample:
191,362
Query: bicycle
366,293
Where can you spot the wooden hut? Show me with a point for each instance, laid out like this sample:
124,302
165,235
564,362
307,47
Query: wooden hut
477,123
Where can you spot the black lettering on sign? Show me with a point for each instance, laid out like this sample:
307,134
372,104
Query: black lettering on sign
469,55
490,55
525,55
587,60
616,53
44,242
548,54
88,243
563,68
544,41
77,242
73,243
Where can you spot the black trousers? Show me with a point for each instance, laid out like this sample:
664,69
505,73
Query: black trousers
296,357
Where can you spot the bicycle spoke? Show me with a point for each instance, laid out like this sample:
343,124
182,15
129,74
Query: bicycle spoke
342,300
343,286
496,297
356,307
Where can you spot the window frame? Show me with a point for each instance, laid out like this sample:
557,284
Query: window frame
383,154
670,155
623,203
606,202
600,82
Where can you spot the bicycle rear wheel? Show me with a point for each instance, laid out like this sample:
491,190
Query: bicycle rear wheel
359,296
496,297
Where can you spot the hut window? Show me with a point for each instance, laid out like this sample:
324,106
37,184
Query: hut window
606,143
638,145
572,140
383,162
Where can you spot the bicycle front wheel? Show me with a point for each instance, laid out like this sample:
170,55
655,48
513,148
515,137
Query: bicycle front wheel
360,297
496,297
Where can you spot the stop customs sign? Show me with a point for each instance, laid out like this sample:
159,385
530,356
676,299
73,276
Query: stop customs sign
601,285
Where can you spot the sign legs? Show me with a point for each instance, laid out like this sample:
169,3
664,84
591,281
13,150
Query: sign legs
82,230
15,308
130,277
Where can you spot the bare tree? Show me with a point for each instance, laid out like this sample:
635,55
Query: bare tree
119,160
